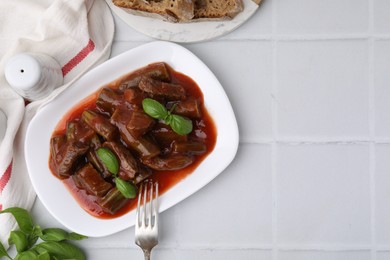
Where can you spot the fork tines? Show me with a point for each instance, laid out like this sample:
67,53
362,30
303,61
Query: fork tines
147,208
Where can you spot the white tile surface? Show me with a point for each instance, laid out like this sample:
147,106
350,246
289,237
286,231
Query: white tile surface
383,256
382,90
308,80
382,194
257,27
225,254
317,16
169,254
248,84
220,205
321,255
322,89
381,16
323,195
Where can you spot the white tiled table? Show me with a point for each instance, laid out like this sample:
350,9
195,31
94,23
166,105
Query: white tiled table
309,81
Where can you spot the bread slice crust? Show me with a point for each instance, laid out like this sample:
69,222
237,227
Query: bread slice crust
171,10
217,9
183,11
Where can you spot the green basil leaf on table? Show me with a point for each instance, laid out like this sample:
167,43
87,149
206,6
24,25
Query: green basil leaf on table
75,236
26,255
31,240
58,234
181,125
22,217
37,231
54,234
154,108
109,159
3,251
44,256
127,189
60,250
19,239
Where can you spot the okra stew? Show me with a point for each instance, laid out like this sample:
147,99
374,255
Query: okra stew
148,124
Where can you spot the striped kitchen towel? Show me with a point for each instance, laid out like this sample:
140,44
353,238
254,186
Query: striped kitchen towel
78,34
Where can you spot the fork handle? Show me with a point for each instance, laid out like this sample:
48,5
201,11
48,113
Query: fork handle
147,254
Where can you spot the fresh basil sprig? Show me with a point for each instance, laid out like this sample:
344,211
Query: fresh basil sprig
53,247
181,125
109,159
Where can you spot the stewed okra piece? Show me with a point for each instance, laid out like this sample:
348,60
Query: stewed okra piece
134,96
112,202
56,143
164,135
189,147
158,88
189,108
100,124
108,100
143,174
170,163
155,71
67,154
93,158
144,147
139,123
91,181
127,164
79,131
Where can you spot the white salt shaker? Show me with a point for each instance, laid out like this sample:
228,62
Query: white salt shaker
33,75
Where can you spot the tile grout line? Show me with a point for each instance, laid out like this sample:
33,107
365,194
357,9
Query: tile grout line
283,37
264,247
303,141
372,155
274,111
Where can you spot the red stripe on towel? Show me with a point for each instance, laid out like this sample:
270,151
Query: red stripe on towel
78,58
4,180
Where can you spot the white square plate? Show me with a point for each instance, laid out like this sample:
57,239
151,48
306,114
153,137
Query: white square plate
53,193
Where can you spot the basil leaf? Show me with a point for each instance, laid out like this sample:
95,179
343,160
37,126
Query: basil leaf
128,190
75,236
181,125
26,255
19,239
54,234
31,241
33,237
22,217
168,119
44,256
57,234
109,159
61,250
3,251
37,231
154,108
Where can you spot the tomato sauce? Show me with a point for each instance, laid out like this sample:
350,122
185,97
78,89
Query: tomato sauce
203,128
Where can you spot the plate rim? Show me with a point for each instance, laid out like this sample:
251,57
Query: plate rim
186,27
164,204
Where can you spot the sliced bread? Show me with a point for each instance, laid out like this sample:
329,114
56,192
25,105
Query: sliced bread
217,9
171,10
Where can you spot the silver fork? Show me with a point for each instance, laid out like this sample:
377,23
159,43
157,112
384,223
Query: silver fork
146,225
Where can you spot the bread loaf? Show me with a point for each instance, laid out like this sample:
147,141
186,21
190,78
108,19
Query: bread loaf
217,9
183,10
171,10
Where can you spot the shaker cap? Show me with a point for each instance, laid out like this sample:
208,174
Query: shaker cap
23,71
